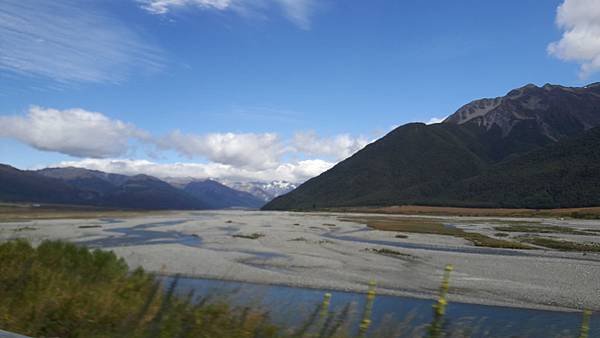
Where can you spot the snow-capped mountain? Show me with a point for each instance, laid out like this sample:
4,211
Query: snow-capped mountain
266,191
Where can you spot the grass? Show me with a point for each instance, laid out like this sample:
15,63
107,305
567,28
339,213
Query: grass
61,290
255,235
563,245
24,212
388,252
542,229
434,227
585,213
298,239
26,228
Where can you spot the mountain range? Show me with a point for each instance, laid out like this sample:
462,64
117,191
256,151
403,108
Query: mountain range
90,187
536,147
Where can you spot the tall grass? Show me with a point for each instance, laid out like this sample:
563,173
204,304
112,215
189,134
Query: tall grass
439,309
61,290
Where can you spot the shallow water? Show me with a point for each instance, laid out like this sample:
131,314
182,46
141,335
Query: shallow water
140,235
293,306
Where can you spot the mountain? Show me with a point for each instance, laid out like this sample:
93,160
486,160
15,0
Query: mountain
266,191
92,187
24,186
85,179
147,192
95,188
561,175
219,196
472,158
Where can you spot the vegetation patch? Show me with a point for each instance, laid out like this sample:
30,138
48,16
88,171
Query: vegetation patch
542,229
255,235
434,227
27,228
563,245
22,212
61,290
329,224
388,252
501,234
483,240
298,239
583,213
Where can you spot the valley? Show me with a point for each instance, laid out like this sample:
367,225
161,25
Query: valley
341,252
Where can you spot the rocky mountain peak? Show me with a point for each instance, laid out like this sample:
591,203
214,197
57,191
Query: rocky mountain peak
554,111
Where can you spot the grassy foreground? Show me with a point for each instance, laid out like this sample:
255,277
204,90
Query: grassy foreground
61,290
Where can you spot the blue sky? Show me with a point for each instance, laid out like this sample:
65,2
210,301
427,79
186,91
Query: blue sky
263,89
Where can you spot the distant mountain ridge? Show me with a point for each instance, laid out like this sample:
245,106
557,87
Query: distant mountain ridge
471,159
96,188
219,196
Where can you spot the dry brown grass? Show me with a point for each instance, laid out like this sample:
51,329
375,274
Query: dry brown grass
452,211
24,212
433,227
543,229
563,245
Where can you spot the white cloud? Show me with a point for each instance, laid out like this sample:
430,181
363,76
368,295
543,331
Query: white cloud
163,6
297,11
435,120
74,132
292,172
338,147
70,41
97,139
580,20
257,151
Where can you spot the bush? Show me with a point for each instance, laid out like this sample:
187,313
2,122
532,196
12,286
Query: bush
62,290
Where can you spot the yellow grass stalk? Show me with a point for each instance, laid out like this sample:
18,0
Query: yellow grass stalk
366,321
585,324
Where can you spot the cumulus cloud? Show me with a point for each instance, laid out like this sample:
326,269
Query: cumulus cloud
337,147
295,172
74,132
98,139
257,151
297,11
70,41
580,42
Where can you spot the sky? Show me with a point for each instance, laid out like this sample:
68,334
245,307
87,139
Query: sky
261,90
